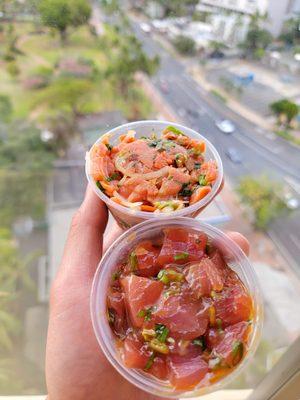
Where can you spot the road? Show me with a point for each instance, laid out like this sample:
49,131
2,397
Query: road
261,153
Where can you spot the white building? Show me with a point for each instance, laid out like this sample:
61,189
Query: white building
230,18
240,6
278,12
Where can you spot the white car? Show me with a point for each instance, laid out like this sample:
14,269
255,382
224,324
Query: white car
145,27
226,126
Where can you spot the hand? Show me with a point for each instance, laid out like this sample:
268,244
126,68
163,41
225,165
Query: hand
76,369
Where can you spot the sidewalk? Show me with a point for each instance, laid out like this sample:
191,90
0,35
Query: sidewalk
231,103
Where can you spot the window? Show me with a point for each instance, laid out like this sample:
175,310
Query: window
72,70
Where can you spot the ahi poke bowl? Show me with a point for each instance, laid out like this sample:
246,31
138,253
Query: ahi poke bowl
153,170
176,307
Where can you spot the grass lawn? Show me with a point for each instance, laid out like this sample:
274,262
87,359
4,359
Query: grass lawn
45,49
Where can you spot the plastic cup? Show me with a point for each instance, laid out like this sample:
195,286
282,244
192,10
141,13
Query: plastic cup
127,217
235,258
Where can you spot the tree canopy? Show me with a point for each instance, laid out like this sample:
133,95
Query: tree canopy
184,45
286,108
61,14
263,197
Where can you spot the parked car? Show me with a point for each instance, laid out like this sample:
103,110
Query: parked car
233,155
226,126
145,27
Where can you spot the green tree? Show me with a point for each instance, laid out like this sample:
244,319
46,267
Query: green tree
177,7
15,281
184,45
6,108
62,14
261,195
65,95
285,108
128,59
25,164
257,38
291,30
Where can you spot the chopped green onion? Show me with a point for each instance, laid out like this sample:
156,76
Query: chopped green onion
141,313
161,332
208,248
202,180
146,313
197,165
219,323
149,362
174,130
114,176
162,276
99,186
200,342
133,260
185,192
116,275
237,351
111,316
181,256
109,146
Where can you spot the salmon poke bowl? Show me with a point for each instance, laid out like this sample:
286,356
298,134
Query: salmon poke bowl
153,170
176,307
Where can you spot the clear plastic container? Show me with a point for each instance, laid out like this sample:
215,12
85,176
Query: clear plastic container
127,217
235,258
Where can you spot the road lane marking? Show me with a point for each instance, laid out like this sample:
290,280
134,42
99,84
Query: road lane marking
264,154
295,240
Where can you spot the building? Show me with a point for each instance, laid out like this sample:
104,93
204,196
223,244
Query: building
247,7
279,12
230,18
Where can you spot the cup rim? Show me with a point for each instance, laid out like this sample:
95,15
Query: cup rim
150,215
101,326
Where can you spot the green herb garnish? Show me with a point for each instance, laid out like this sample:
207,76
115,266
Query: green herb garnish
174,130
146,313
113,176
219,324
181,256
202,180
200,342
161,332
197,165
133,260
149,362
109,146
185,191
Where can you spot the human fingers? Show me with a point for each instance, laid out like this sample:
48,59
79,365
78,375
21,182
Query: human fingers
83,247
240,240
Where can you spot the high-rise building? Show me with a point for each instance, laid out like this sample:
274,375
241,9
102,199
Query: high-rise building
240,6
278,12
230,18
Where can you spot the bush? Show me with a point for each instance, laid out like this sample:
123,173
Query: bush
5,108
218,95
184,45
263,197
41,70
13,69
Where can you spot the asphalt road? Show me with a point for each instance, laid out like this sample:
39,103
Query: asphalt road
261,153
